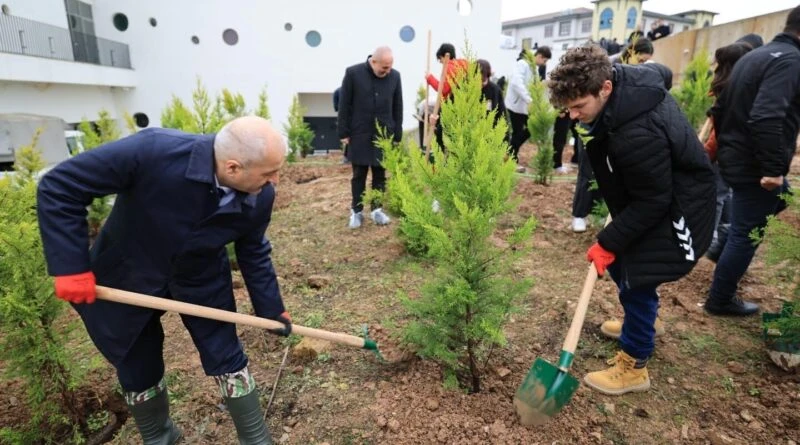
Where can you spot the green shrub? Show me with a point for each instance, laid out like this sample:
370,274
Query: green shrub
541,118
692,95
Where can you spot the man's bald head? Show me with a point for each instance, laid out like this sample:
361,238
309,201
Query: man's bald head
382,61
248,153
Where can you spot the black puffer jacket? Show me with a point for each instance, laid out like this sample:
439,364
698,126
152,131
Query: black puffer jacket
655,177
757,116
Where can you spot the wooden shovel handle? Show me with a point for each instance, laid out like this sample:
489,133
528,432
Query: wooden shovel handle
442,80
164,304
571,342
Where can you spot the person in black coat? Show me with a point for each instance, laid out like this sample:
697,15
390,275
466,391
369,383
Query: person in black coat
371,95
756,119
491,92
658,184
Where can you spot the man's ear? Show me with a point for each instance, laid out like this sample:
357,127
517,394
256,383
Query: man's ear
232,167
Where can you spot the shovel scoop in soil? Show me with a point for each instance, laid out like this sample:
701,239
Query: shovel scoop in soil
547,388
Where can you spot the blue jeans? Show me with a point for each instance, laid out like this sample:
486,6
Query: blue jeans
750,206
641,307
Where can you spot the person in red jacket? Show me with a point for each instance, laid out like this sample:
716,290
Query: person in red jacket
454,67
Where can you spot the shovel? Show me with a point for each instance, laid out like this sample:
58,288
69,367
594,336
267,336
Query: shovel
164,304
547,388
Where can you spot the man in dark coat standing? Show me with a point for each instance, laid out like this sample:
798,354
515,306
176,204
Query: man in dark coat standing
655,177
756,120
180,199
371,95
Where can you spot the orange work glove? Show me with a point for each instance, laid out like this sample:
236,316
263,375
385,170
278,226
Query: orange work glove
77,288
601,258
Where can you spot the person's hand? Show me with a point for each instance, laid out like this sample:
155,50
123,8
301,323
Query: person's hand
771,182
601,258
286,319
345,141
433,118
77,288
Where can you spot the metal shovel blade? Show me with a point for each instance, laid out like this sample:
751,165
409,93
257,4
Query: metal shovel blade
545,390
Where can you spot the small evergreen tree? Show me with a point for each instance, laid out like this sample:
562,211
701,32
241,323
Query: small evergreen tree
541,118
202,109
458,318
130,123
692,95
32,343
178,116
782,242
298,132
263,104
233,103
104,130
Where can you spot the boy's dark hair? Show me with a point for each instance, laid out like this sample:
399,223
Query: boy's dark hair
726,57
444,49
484,68
580,72
793,21
544,51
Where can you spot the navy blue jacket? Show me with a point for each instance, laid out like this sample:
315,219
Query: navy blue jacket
166,234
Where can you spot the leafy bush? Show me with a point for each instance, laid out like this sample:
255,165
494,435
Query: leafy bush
459,315
104,130
692,95
32,343
298,131
541,118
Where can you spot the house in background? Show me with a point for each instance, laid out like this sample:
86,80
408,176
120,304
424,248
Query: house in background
70,58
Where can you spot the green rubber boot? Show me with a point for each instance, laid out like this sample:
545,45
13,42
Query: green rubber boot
248,419
152,420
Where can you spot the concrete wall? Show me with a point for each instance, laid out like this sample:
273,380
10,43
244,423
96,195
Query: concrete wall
676,51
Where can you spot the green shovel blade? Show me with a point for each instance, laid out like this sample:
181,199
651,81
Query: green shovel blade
545,390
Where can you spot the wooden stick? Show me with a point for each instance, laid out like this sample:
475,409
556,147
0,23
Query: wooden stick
426,113
442,80
164,304
275,385
703,134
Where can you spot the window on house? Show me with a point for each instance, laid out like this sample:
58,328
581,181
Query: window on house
586,25
526,43
631,22
606,18
565,46
548,31
564,28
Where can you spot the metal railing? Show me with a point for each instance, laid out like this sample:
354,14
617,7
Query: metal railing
31,38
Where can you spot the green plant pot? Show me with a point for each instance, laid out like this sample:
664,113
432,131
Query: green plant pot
783,347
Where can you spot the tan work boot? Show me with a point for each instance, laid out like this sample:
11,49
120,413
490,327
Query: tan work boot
620,378
613,328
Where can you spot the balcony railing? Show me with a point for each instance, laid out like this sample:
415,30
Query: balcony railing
23,36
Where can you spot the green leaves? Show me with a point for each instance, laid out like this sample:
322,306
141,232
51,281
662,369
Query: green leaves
298,131
692,96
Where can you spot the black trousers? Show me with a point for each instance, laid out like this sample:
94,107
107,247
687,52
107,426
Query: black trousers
519,132
560,132
584,199
358,184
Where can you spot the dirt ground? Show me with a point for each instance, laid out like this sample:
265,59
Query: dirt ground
712,380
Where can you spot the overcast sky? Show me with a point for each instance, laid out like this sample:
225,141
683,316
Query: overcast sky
728,11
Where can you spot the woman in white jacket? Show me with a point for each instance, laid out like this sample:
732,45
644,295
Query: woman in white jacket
518,99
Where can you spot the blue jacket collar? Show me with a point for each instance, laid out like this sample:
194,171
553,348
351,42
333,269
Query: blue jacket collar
201,169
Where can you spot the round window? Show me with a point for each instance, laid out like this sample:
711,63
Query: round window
313,38
230,36
153,22
287,26
195,40
464,7
407,33
120,21
142,121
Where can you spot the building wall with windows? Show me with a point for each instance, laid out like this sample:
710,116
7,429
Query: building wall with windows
559,31
300,47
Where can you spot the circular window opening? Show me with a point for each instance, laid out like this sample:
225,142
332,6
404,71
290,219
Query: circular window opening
5,9
287,26
195,40
464,7
407,33
313,38
142,121
153,22
120,21
230,36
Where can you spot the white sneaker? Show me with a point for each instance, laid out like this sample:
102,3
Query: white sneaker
356,218
578,225
435,206
563,169
520,169
379,217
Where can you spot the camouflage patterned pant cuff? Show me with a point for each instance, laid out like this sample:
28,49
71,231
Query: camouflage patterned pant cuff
135,398
236,384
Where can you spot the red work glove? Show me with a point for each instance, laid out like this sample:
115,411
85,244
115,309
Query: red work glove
601,258
78,288
286,319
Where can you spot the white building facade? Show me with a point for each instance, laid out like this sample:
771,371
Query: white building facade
70,58
559,31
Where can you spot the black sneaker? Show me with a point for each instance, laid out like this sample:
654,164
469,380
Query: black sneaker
736,307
